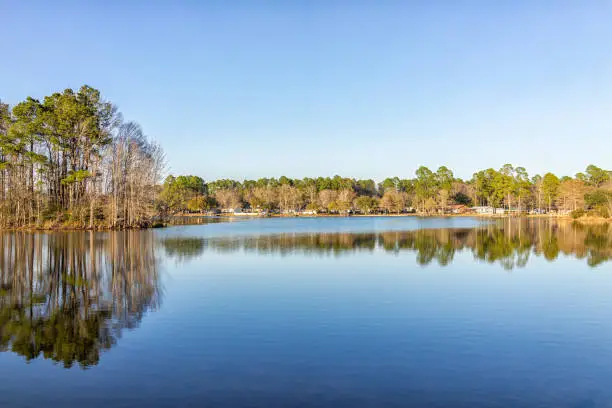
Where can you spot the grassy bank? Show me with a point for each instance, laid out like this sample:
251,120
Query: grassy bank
68,226
586,220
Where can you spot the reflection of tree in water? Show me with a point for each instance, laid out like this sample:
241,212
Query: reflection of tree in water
67,296
598,243
183,249
509,242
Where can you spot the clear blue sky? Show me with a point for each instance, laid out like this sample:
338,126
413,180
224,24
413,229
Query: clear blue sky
245,89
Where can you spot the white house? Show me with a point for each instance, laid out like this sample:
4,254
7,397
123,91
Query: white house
488,210
232,210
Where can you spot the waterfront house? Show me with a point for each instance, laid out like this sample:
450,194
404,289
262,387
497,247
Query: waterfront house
458,209
236,210
488,210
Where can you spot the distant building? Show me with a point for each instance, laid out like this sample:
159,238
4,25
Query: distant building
458,209
488,210
231,210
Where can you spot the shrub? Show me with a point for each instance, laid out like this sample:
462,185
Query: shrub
461,198
599,211
603,211
577,213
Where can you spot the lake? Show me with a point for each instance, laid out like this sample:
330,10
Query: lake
309,312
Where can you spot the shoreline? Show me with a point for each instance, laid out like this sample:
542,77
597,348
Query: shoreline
252,215
585,220
72,228
565,218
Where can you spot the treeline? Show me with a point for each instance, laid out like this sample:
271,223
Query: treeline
71,159
429,192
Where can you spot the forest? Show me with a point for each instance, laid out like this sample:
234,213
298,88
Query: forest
71,160
429,192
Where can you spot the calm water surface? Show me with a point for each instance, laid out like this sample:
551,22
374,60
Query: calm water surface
320,312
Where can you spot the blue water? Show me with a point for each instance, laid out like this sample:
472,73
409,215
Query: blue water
242,225
259,313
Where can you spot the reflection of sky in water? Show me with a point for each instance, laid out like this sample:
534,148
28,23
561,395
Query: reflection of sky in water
239,226
372,328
